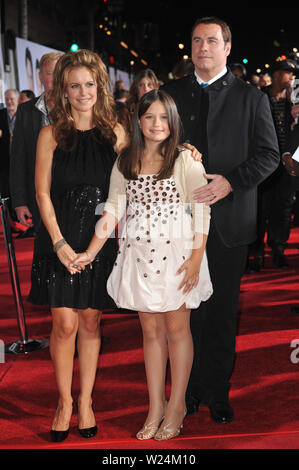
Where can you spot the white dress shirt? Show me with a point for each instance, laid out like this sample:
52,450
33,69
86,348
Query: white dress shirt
219,75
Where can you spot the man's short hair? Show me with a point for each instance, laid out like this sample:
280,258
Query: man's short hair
226,32
14,90
29,93
49,56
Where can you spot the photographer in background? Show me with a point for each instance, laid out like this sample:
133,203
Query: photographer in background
275,194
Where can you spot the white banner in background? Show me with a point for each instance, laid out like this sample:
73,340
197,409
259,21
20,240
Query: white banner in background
125,77
28,56
116,74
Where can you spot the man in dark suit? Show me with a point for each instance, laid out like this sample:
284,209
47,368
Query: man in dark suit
230,122
7,124
31,117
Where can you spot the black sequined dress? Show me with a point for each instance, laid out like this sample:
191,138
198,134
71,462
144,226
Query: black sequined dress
80,185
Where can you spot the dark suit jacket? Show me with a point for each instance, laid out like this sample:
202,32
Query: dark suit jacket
4,141
242,146
23,153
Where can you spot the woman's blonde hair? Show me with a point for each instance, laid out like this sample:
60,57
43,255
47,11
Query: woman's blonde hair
104,113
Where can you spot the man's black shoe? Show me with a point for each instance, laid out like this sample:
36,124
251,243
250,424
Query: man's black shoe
192,405
280,261
221,412
257,263
295,310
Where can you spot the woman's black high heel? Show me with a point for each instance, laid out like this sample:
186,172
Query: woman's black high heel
87,432
59,436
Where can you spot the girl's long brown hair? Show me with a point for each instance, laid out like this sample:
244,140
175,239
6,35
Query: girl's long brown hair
129,163
104,114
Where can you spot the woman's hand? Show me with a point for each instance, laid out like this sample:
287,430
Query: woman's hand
191,278
196,155
81,260
67,256
122,139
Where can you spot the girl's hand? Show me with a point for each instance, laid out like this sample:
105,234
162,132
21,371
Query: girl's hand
196,155
81,260
191,278
66,256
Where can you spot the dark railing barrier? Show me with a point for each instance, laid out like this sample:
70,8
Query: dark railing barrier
24,344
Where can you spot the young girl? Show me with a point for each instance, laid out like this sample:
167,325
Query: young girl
161,269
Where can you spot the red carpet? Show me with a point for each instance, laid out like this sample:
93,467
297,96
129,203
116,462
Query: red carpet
264,393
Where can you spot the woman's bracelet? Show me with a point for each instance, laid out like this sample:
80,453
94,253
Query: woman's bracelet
59,244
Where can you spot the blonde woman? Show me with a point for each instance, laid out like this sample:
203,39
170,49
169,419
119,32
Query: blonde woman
75,156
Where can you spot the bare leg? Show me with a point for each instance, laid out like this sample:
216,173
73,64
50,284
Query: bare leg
155,359
180,348
88,345
62,349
